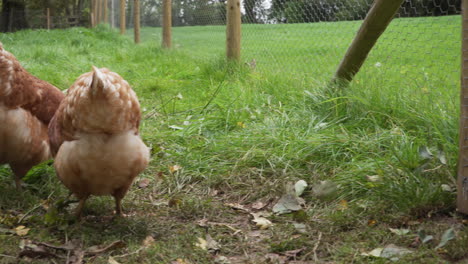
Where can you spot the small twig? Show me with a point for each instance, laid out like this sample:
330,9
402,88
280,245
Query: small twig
316,246
7,256
34,208
433,169
28,212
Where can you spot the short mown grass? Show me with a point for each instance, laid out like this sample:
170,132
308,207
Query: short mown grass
241,134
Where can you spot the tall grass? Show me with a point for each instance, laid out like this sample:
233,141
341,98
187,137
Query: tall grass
250,131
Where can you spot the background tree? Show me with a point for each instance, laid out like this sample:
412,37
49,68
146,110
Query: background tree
13,15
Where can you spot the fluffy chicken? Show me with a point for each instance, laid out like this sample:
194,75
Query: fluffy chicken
27,104
95,139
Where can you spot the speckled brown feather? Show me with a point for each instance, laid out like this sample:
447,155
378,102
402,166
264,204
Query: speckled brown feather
18,88
27,104
94,137
111,108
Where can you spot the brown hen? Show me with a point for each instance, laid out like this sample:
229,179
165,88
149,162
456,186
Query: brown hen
95,137
27,104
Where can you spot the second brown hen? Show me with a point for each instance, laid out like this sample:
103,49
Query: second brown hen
95,137
27,105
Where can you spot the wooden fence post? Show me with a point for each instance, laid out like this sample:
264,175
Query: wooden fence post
48,18
462,182
379,17
233,30
112,22
167,24
122,17
98,12
106,12
136,20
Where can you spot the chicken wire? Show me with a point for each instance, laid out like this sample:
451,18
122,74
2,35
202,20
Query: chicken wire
304,38
309,38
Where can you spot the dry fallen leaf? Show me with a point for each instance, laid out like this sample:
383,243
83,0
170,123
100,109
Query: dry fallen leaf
202,243
241,124
448,235
399,232
237,207
287,204
390,251
373,178
21,230
180,261
300,187
143,183
149,240
174,168
258,205
208,244
111,260
343,205
262,222
221,260
373,253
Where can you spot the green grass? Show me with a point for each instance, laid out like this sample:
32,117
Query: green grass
248,132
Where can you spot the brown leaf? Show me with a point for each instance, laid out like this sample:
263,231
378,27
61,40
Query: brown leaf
149,240
237,207
258,205
174,168
111,260
208,244
261,221
203,222
343,205
21,230
143,183
180,261
371,222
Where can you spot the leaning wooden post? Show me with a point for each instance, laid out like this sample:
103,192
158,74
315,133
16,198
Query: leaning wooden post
167,24
122,17
233,30
377,20
462,183
106,12
136,20
48,18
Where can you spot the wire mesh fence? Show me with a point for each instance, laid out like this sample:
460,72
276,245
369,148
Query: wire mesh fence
303,38
309,38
